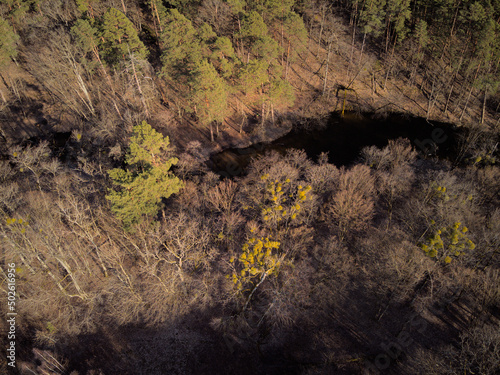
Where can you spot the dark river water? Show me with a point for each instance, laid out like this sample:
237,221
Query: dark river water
343,139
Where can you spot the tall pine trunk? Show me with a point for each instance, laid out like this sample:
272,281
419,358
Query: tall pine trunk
470,93
483,112
390,64
321,28
362,49
352,51
431,98
327,65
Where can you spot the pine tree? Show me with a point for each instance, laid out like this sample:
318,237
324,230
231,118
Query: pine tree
253,27
8,42
181,49
158,12
223,56
120,38
17,9
8,50
86,6
185,6
210,94
237,6
272,9
280,94
397,13
206,38
266,48
253,75
421,39
85,37
147,178
295,31
372,20
372,17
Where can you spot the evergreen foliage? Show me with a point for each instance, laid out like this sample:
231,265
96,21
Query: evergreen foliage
253,27
147,178
421,34
253,75
223,56
120,38
266,49
273,8
85,37
210,93
86,6
17,9
295,30
180,47
8,41
281,93
372,17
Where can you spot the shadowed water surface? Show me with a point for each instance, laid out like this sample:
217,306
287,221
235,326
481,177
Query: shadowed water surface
343,139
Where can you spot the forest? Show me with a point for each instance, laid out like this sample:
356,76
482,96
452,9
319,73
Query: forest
124,250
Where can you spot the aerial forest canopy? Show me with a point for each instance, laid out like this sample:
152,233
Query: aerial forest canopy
124,250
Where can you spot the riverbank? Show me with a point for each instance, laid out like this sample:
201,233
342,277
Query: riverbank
368,92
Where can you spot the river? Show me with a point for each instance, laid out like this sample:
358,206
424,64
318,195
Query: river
343,139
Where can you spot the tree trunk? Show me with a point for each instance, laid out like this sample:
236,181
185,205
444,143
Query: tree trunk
388,34
143,100
431,98
156,18
413,74
390,64
470,93
263,112
343,104
483,112
263,277
287,61
282,38
124,8
452,85
241,125
352,18
3,97
466,103
449,96
362,48
1,91
327,64
67,268
352,51
243,117
452,29
321,29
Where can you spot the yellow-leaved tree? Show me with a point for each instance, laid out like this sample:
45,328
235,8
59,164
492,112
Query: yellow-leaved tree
277,207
